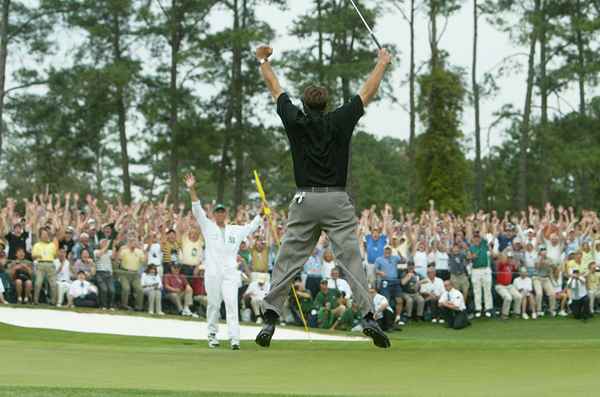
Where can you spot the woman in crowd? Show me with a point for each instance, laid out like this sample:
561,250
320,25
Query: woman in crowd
21,271
152,285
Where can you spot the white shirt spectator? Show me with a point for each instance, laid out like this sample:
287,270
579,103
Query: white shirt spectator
421,261
455,297
554,252
1,287
63,275
440,259
523,284
341,285
155,255
255,290
81,288
530,259
326,269
577,286
436,287
150,281
380,303
103,262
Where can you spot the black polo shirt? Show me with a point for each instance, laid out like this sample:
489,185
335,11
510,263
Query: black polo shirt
320,142
15,242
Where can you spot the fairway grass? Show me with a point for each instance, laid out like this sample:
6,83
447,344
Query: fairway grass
548,357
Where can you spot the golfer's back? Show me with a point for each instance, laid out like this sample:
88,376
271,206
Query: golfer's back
320,142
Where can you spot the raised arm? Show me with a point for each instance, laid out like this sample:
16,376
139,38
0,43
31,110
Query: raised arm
262,54
197,210
371,86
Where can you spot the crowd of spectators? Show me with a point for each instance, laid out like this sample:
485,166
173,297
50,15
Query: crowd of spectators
437,267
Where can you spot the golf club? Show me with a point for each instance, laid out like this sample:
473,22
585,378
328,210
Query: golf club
366,24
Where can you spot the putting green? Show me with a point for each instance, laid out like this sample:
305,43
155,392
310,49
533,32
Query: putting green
515,358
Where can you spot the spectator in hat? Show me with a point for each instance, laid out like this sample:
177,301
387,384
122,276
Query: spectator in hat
84,244
81,292
152,285
386,268
574,262
580,301
593,285
453,307
518,252
383,314
179,292
506,237
524,285
64,275
67,240
432,288
21,271
504,286
542,282
481,275
327,305
255,294
409,282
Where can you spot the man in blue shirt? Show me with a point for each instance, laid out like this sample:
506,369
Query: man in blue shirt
313,270
374,245
386,267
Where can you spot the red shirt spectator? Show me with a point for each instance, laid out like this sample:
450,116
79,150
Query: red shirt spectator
198,286
175,281
504,272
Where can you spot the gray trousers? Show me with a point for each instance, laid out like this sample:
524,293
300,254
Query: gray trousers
334,214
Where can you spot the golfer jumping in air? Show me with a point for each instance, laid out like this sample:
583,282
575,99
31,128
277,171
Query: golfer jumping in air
320,145
221,275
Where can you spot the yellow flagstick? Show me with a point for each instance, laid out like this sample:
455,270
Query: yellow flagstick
267,210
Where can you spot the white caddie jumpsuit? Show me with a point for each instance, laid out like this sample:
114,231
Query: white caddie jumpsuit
221,277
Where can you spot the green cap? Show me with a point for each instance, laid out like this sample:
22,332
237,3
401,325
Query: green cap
219,207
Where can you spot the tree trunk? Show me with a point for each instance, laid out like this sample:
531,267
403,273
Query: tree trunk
412,189
175,42
478,168
320,33
121,114
237,99
3,57
224,156
433,12
576,21
546,171
525,124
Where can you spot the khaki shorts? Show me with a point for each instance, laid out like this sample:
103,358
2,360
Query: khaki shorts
461,282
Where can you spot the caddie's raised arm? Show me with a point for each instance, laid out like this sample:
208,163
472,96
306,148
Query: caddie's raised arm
371,86
197,210
263,53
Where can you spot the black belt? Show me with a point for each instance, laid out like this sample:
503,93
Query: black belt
321,189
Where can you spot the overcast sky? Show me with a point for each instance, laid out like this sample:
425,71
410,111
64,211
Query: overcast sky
384,117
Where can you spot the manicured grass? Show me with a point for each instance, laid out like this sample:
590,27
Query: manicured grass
547,357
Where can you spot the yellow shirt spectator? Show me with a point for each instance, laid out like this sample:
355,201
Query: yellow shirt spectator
131,260
45,251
